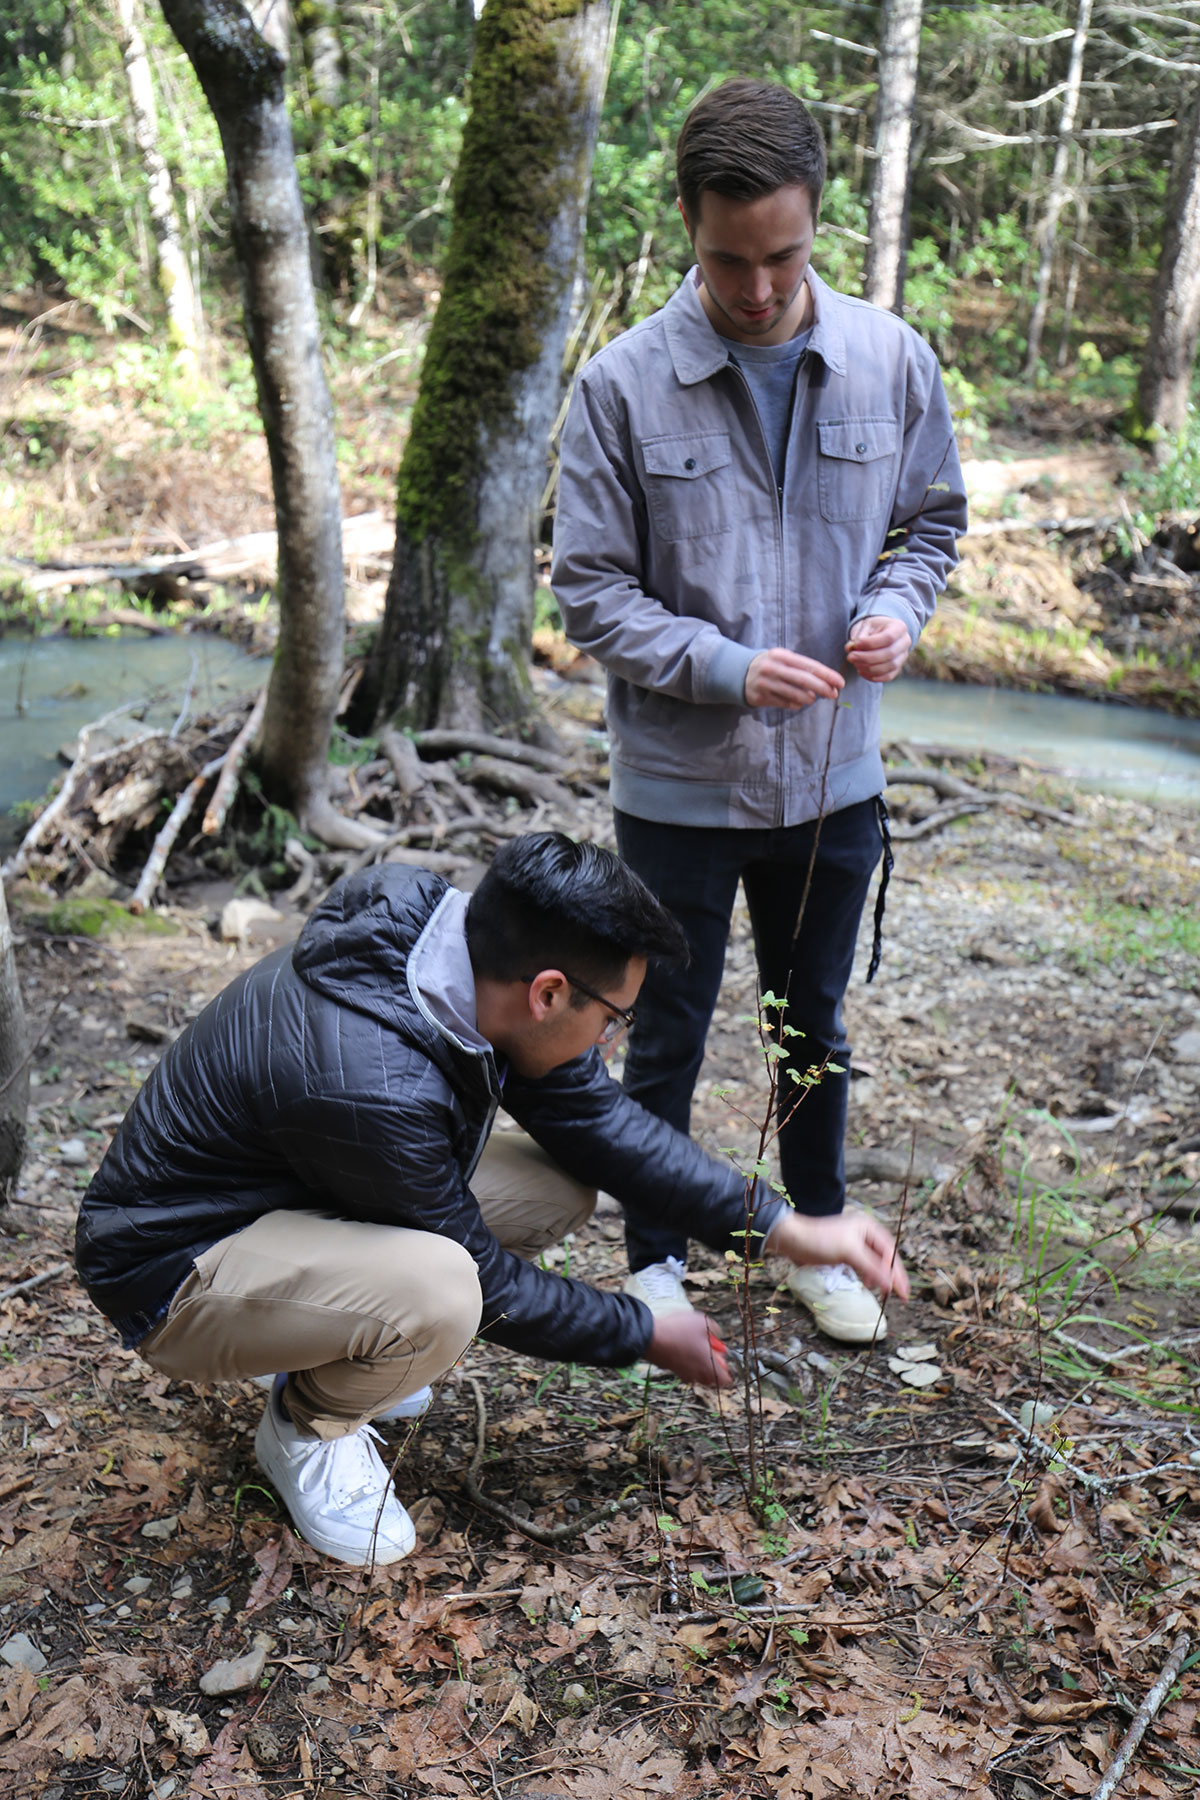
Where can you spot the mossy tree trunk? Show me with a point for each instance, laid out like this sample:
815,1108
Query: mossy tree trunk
14,1061
899,50
242,78
453,646
1175,310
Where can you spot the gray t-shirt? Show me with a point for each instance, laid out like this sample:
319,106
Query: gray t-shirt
771,371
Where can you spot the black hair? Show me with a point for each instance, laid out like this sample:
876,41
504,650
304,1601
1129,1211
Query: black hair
548,902
745,139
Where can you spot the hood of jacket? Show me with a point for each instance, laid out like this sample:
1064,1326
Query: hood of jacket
391,944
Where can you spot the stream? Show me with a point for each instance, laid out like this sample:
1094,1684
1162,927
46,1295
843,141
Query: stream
51,687
1106,747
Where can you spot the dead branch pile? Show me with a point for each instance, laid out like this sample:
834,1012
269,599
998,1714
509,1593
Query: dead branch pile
440,799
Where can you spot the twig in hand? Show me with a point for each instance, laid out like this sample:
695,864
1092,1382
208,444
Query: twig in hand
1145,1713
540,1534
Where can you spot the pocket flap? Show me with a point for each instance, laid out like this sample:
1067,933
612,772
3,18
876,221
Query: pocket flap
686,457
857,440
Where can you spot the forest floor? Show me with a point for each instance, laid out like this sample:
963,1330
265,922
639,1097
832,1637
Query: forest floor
944,1600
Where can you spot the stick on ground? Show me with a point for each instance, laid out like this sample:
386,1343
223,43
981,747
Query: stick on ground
1145,1713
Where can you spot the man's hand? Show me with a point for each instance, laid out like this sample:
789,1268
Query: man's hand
878,648
781,678
851,1237
685,1343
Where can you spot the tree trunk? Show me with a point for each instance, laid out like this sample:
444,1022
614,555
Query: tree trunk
899,48
453,646
1056,198
1175,310
14,1061
242,78
174,276
270,20
324,58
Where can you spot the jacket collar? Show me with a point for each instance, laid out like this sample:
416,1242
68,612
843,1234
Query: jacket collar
697,351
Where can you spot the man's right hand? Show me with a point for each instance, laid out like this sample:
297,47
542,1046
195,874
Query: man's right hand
781,678
684,1343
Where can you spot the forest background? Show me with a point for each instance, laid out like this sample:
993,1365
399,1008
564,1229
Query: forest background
955,1572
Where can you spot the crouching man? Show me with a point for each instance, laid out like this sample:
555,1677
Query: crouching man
305,1188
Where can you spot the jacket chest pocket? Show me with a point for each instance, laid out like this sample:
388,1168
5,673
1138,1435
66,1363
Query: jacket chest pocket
856,467
687,484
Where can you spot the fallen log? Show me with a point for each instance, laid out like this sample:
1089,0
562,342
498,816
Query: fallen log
481,743
164,843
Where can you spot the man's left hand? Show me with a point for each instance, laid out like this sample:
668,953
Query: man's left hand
878,648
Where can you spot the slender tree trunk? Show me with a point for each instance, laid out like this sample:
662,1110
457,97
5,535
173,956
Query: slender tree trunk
14,1064
270,20
1175,310
1047,229
242,78
174,275
453,645
899,48
324,59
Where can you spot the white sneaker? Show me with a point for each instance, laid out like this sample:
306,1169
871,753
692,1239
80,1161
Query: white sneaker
660,1286
839,1303
339,1494
413,1408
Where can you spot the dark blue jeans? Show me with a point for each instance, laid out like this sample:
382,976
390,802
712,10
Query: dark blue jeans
694,871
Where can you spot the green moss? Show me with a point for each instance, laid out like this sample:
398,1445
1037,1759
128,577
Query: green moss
93,917
498,294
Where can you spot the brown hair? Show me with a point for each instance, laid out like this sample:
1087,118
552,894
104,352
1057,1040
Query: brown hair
745,139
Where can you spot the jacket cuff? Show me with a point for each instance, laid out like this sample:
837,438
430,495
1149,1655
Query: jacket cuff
889,606
724,679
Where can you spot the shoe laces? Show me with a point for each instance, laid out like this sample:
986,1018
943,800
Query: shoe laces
663,1280
838,1276
347,1469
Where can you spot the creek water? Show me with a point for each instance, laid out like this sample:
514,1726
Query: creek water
1103,746
51,687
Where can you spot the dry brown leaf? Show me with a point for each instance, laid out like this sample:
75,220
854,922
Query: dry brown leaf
277,1563
1058,1709
522,1712
1041,1507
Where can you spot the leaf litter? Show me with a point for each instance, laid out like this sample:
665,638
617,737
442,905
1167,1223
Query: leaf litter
967,1589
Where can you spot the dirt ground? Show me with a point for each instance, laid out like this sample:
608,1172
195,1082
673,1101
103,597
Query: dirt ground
942,1599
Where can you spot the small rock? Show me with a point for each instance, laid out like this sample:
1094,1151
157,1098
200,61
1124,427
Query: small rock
21,1652
264,1746
916,1353
74,1152
161,1529
138,1584
1186,1047
321,1685
232,1675
239,916
163,1790
221,1605
576,1694
182,1590
1033,1413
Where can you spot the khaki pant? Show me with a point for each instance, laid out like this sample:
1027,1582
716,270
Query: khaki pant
359,1315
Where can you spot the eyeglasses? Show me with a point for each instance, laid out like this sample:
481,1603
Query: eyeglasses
621,1020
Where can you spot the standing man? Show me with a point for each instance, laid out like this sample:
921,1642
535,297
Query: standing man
733,470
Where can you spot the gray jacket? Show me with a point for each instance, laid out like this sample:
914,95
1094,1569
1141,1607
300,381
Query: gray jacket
676,559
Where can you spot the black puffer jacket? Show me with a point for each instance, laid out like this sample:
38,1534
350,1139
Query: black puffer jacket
327,1078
